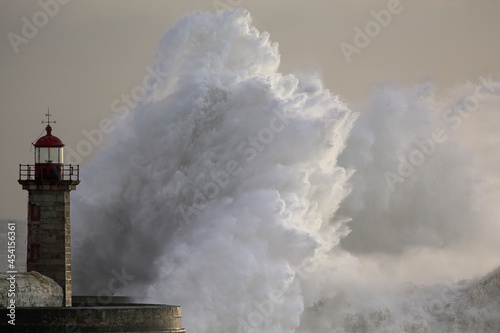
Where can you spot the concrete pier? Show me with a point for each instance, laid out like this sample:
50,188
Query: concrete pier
126,318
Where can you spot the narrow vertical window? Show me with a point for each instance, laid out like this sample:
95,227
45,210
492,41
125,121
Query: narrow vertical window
34,212
35,253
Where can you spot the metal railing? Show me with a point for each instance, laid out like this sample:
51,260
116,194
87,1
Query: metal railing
49,172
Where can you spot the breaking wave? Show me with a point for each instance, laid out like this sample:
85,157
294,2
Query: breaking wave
258,202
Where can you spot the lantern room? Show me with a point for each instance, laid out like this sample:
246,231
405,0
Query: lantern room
48,157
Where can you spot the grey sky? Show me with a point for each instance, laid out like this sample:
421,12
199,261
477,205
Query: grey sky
90,52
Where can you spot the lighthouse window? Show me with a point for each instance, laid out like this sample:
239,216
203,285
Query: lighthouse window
35,253
48,155
34,212
54,155
43,155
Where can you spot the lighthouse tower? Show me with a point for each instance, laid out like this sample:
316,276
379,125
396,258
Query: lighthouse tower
48,183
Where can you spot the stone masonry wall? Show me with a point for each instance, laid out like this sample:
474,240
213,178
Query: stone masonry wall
49,236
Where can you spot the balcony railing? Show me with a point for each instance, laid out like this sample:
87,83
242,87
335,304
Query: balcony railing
49,171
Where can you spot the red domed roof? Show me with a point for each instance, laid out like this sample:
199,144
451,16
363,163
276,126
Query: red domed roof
49,140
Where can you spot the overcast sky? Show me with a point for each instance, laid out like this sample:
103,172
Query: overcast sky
84,54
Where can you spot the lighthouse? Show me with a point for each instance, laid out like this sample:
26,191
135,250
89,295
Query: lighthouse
49,182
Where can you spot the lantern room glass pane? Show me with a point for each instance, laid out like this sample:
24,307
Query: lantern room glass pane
42,155
54,155
49,155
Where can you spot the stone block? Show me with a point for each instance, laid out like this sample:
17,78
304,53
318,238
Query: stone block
57,261
55,250
52,224
49,237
